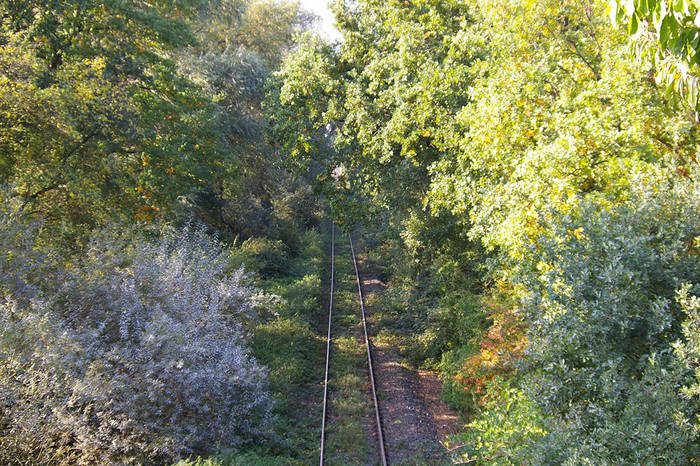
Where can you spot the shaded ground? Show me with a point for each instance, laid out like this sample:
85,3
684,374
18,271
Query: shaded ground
416,422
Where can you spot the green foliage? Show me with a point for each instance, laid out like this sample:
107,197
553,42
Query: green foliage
600,363
298,100
435,276
504,149
509,421
666,35
240,44
133,110
284,345
385,96
238,459
560,110
95,120
263,27
269,258
492,345
455,392
688,349
268,27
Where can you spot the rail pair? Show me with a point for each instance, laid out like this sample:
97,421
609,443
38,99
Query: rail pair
380,437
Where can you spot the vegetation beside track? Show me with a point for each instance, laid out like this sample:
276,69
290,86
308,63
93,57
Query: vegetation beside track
530,173
290,341
349,438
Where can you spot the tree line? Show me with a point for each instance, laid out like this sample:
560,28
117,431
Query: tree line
141,204
532,167
528,170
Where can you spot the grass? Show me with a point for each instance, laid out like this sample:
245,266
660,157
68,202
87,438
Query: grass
347,439
290,341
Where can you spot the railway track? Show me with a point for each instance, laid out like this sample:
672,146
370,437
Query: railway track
378,420
328,345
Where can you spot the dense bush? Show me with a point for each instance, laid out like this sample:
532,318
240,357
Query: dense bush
604,319
269,258
688,349
136,353
469,370
508,422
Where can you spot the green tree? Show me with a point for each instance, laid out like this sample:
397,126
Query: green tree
559,111
95,120
240,43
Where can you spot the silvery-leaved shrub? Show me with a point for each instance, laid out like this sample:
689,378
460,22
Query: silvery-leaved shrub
134,354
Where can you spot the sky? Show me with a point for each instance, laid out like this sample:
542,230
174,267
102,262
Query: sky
325,26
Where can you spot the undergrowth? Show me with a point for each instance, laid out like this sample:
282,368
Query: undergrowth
290,342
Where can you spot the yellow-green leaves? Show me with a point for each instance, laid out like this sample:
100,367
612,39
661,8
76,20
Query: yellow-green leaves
666,34
560,112
96,121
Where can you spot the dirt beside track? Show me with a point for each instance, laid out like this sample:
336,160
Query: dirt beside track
416,421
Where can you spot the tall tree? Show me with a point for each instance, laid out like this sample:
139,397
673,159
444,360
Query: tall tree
95,120
240,43
389,93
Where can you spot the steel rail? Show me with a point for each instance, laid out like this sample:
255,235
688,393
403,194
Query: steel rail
380,436
328,344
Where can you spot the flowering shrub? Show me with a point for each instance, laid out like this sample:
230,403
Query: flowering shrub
136,354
